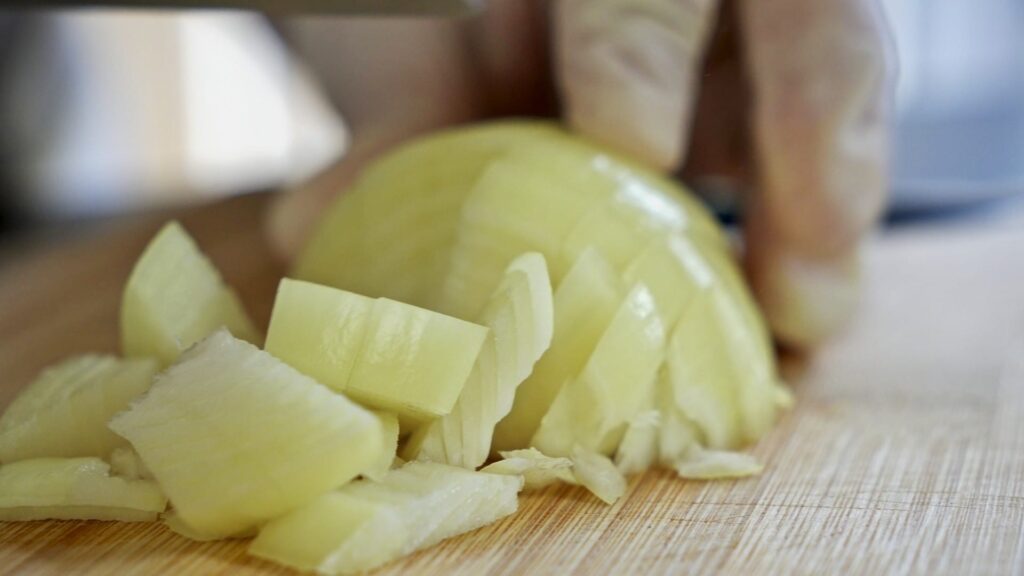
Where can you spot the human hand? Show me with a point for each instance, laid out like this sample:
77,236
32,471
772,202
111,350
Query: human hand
787,98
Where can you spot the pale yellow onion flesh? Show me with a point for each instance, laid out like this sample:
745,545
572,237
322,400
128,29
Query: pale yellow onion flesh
318,330
385,354
681,448
715,464
126,463
584,304
638,450
501,220
547,187
64,411
175,297
336,534
678,370
577,164
593,409
173,521
537,469
677,435
367,524
414,361
674,269
75,489
649,236
236,437
704,384
721,380
520,316
597,473
390,235
388,446
559,196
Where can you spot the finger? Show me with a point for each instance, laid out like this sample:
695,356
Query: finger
820,85
627,68
390,79
805,299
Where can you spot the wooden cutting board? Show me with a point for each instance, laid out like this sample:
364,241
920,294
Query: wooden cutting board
903,455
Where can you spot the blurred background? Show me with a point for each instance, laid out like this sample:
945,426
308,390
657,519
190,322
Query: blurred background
104,111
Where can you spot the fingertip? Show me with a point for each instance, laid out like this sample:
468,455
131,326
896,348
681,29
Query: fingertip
806,300
820,87
625,119
626,71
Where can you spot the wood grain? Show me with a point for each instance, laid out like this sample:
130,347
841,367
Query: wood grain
904,454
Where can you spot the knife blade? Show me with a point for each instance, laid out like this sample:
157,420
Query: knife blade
445,8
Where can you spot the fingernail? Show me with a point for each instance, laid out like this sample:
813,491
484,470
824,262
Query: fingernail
626,70
630,120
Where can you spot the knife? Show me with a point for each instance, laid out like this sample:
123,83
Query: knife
448,8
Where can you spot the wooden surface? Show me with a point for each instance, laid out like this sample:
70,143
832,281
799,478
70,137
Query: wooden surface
904,454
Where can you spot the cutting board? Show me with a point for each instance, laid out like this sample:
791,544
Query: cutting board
904,453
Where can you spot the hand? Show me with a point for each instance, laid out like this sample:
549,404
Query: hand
787,98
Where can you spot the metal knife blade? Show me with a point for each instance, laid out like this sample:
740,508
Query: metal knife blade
443,8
